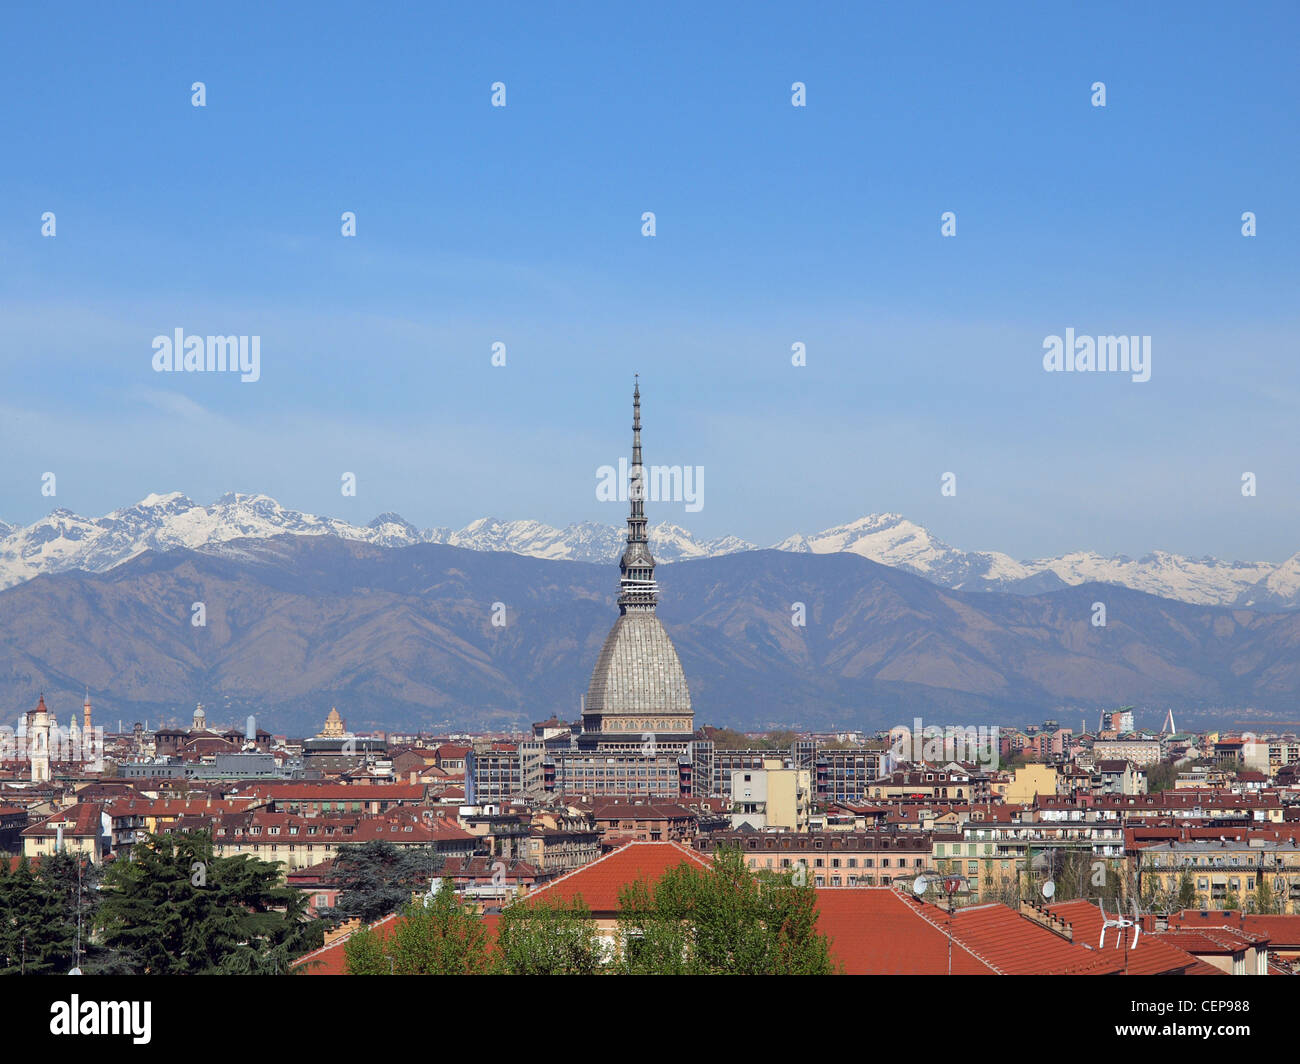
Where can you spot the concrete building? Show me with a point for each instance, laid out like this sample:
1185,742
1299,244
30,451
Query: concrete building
1117,777
1027,783
1141,752
830,859
1227,869
774,796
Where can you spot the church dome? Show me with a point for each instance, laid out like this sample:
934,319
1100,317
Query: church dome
638,673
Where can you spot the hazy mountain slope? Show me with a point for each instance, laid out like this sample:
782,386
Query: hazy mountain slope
403,637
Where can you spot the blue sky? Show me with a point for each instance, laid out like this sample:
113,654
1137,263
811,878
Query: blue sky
775,224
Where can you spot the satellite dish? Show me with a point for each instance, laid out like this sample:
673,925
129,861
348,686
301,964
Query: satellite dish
1049,888
919,884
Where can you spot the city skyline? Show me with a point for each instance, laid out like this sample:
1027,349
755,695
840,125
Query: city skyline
733,489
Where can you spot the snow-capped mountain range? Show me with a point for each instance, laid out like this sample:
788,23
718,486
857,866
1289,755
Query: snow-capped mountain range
64,540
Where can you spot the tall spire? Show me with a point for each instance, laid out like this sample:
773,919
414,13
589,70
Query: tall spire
637,590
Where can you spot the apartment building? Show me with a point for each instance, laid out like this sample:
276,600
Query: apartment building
832,858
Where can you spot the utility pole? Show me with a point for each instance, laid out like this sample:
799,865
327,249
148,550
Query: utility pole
950,936
76,957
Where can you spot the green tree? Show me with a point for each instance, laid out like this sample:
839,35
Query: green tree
722,920
377,878
1263,901
1161,776
549,938
35,937
363,954
440,936
729,739
1231,902
1005,890
1187,896
176,909
74,882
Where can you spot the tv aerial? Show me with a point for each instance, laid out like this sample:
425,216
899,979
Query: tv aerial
1121,924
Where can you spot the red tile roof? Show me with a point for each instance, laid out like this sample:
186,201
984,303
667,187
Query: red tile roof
81,819
14,862
600,881
168,807
1151,955
1012,944
332,959
874,931
1215,940
1283,932
329,792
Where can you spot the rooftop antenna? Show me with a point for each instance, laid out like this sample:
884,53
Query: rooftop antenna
1121,925
950,886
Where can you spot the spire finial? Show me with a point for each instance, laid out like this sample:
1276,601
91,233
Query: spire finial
637,588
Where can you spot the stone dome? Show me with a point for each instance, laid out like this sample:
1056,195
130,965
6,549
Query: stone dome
638,673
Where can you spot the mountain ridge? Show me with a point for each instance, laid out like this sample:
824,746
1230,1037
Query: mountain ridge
65,541
403,638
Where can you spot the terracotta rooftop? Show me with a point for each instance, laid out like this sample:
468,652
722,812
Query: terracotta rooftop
1216,940
599,882
1151,956
82,819
1012,944
875,931
1283,932
330,792
332,959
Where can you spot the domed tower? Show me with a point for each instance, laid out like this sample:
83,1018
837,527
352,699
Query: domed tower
638,685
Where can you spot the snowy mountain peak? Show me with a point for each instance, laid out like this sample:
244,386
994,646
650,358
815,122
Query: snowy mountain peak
154,502
65,540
